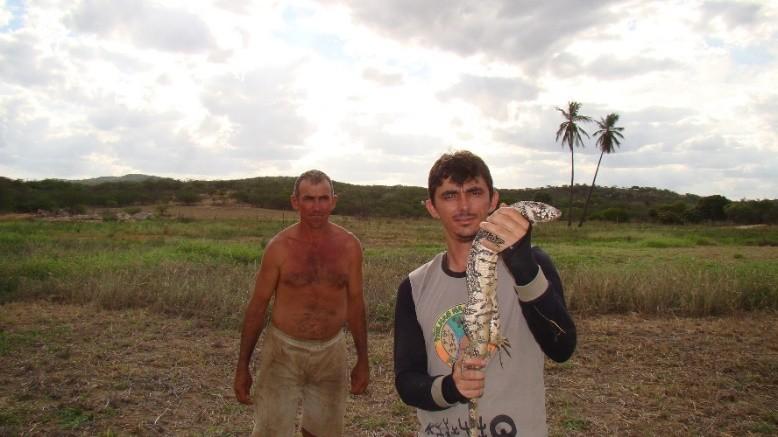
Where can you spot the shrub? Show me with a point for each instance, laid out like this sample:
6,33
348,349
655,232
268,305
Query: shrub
618,215
752,212
712,207
188,197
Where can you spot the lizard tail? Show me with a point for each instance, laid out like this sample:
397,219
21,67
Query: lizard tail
472,411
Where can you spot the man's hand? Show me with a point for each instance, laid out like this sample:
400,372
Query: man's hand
469,377
242,386
360,376
508,224
516,249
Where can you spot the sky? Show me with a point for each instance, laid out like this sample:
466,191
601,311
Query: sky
372,92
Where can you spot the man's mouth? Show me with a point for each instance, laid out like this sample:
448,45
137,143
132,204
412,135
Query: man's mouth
464,217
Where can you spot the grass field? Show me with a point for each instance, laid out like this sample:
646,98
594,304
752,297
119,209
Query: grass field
131,327
204,267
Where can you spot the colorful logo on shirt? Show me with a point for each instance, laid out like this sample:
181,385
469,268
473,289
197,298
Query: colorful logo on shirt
447,334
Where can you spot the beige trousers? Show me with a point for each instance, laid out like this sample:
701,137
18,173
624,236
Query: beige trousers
292,371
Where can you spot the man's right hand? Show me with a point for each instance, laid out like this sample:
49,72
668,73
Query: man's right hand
242,386
469,377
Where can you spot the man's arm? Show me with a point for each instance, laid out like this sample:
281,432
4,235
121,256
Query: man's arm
254,319
542,301
357,324
537,283
414,384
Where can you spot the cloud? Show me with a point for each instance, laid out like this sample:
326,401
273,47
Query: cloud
383,78
31,144
23,63
731,14
394,145
262,108
618,68
764,108
5,17
490,94
145,24
521,31
378,169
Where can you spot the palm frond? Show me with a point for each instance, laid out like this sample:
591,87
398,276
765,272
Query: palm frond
609,136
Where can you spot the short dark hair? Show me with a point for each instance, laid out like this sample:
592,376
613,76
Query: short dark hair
460,166
315,177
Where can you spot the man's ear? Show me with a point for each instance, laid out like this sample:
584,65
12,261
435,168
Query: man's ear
431,209
495,200
293,200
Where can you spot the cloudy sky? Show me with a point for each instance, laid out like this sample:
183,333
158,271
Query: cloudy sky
373,91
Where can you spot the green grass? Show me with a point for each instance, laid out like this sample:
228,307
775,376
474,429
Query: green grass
13,341
205,268
73,417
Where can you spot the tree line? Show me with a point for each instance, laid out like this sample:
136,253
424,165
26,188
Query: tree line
615,204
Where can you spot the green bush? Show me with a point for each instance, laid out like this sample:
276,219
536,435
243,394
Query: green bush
618,215
752,212
188,197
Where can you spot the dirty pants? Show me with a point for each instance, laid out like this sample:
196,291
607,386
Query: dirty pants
292,370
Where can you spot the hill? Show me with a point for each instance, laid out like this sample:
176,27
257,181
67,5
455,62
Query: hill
105,179
272,192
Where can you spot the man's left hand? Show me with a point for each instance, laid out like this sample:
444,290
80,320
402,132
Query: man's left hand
508,225
360,375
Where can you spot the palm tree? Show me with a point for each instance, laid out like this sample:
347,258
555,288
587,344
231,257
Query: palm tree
608,138
571,134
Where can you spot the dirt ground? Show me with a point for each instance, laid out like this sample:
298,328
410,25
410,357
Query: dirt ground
78,370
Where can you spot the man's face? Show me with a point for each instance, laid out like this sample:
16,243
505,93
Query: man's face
461,208
314,203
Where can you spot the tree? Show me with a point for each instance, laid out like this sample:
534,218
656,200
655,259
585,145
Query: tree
571,135
542,196
712,207
608,138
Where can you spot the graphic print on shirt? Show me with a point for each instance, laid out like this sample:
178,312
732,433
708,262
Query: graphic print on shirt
448,334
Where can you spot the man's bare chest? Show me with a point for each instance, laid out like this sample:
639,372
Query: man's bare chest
316,266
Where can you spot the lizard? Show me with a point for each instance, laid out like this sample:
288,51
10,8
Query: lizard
481,313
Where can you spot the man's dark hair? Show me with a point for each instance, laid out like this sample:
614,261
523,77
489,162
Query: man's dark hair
314,177
460,166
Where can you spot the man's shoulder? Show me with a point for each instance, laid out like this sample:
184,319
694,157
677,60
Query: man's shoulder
279,242
417,275
284,234
346,236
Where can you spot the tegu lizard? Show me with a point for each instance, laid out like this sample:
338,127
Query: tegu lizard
481,314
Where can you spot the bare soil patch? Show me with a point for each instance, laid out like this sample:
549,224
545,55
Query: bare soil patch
78,370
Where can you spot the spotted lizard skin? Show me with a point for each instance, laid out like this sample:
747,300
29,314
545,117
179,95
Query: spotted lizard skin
481,315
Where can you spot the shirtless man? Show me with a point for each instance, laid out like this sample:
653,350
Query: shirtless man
314,270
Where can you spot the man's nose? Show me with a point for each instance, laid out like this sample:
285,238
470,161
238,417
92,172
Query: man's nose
462,203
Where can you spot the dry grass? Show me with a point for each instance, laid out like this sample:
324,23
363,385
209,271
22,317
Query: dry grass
81,370
216,294
206,259
152,349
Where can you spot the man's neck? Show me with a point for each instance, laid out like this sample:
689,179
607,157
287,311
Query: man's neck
456,255
310,233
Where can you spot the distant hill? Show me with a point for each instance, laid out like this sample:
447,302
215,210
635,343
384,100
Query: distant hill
272,192
105,179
